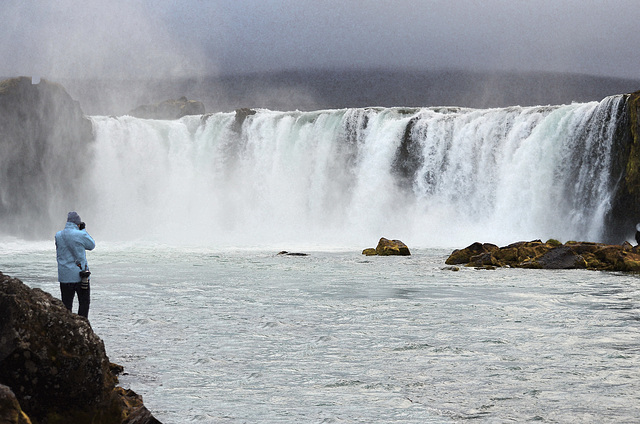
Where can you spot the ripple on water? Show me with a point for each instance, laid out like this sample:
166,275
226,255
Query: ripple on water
248,337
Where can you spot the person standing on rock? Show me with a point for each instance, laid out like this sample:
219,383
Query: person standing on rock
73,271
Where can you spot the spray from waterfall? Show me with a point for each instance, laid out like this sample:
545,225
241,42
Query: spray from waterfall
430,176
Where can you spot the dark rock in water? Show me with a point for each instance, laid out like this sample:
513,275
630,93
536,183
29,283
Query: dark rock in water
44,140
562,257
409,156
550,255
464,255
241,115
56,365
388,247
169,109
284,252
370,251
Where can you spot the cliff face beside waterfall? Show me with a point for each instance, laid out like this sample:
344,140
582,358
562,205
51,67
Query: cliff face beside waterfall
625,207
433,176
44,138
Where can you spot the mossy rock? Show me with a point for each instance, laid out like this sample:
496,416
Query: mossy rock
530,264
463,256
388,247
553,243
632,175
550,255
392,248
526,253
592,262
629,263
483,260
609,254
507,255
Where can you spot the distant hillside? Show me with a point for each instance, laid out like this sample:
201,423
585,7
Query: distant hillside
327,89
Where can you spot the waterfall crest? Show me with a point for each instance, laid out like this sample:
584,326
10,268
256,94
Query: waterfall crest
428,176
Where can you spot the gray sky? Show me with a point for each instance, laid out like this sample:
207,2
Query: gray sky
155,38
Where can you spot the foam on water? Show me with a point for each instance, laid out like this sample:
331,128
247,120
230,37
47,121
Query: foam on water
212,336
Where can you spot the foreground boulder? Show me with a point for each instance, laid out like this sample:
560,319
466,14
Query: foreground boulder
550,255
56,365
388,248
169,109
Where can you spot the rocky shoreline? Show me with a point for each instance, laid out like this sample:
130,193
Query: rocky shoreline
550,255
54,368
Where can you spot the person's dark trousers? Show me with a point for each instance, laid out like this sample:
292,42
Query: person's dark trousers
68,291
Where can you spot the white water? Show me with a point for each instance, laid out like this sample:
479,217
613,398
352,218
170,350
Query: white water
327,178
227,336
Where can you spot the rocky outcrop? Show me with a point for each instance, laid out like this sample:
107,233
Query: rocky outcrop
388,248
56,365
625,169
550,255
44,140
169,109
241,115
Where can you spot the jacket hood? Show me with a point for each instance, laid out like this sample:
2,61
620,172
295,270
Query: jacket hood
74,217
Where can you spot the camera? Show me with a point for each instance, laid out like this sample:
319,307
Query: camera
84,275
81,226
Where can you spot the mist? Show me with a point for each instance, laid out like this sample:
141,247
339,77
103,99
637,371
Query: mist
166,39
114,40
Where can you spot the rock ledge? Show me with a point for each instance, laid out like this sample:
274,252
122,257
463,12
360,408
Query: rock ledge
550,255
56,365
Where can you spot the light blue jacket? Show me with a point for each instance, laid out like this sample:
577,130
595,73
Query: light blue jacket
71,244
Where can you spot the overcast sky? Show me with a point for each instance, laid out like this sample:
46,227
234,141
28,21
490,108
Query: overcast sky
154,38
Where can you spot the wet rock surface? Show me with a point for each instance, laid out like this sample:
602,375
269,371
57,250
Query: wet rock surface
550,255
56,365
388,247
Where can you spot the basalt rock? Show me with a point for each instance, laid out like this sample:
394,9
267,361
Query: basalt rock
169,109
10,410
44,150
625,171
550,255
56,365
241,115
463,256
388,248
285,253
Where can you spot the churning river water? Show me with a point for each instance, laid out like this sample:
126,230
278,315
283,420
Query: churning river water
247,336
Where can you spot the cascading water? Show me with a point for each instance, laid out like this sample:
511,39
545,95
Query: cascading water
430,177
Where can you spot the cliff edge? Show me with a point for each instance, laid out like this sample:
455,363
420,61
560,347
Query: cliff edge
44,150
56,365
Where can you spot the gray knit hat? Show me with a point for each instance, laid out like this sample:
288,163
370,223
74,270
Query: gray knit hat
74,217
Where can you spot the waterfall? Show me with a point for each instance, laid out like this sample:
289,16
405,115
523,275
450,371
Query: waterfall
428,176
